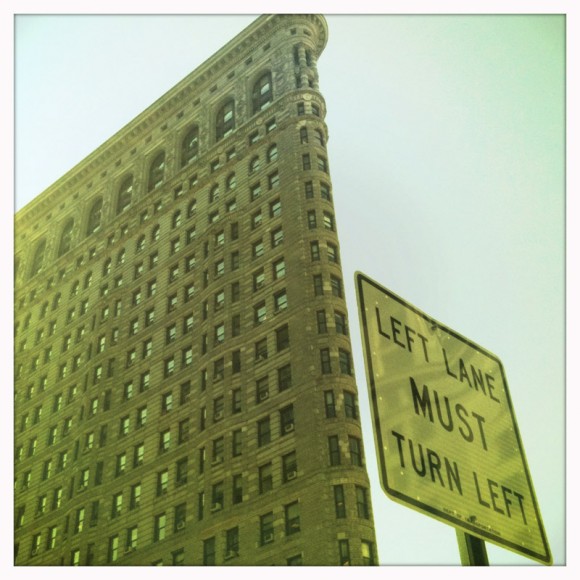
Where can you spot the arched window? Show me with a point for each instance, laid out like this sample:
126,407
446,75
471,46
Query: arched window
190,146
262,94
254,165
38,258
65,243
225,120
125,194
214,193
95,215
231,181
156,171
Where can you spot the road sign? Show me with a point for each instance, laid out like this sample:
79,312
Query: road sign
445,430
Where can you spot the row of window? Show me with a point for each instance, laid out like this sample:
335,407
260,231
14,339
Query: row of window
177,557
288,469
282,342
262,392
257,249
267,529
256,220
156,178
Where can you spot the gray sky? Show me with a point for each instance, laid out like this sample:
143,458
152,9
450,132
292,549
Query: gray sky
446,154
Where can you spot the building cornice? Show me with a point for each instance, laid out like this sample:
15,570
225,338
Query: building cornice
228,56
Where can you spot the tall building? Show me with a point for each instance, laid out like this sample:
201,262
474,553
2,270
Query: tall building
184,384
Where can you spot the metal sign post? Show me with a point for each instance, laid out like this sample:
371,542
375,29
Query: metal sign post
471,550
446,436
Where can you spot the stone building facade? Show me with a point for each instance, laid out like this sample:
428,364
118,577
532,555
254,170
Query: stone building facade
184,391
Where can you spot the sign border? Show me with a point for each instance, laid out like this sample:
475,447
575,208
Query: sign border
406,500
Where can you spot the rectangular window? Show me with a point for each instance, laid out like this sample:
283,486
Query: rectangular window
328,221
259,313
264,434
350,405
132,538
135,496
311,217
318,288
343,553
289,467
181,472
256,219
334,450
314,251
141,416
235,289
344,362
183,434
275,208
218,450
362,504
339,501
280,301
329,404
279,268
237,489
367,553
121,464
332,253
159,527
184,392
236,443
267,528
355,448
284,377
117,505
306,165
232,542
273,180
277,237
321,321
179,517
282,338
336,286
209,552
325,366
138,454
265,479
287,420
113,553
292,518
236,401
236,361
262,389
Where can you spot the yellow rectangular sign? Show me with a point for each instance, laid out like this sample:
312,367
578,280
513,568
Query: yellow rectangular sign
445,430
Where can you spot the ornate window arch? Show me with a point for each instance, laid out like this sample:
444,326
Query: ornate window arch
125,194
95,216
156,171
38,258
65,243
190,146
225,121
262,93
